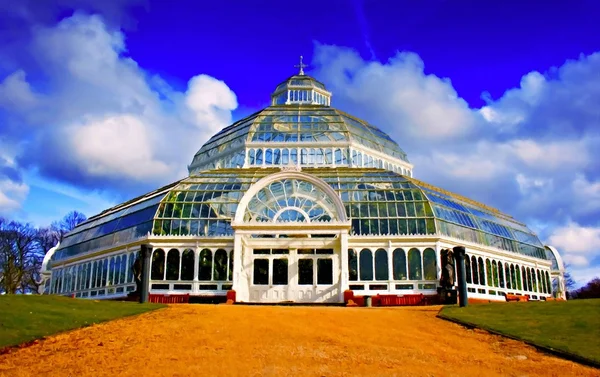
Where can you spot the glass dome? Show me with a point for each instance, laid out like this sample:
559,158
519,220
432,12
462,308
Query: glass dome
305,135
377,203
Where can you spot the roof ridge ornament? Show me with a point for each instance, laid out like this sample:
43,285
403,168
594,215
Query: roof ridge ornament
301,66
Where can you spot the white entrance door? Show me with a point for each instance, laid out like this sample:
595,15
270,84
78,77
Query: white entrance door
270,275
295,275
317,279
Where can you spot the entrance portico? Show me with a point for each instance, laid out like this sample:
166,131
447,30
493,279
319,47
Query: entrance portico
291,239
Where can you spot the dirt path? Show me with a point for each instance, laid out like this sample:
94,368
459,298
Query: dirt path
203,340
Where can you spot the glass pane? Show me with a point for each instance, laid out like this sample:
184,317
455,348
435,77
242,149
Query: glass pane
205,265
352,265
305,272
468,269
261,272
381,265
366,265
280,271
414,264
187,265
429,265
324,271
158,265
173,264
220,265
399,264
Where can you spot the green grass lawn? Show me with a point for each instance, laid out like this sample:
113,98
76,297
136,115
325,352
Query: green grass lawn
25,318
571,326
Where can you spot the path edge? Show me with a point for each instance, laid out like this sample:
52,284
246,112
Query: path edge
545,349
6,350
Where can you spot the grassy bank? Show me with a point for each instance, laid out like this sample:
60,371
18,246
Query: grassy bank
25,318
568,326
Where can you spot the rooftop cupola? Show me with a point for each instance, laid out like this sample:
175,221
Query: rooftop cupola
301,89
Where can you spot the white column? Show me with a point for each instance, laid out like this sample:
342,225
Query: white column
344,278
196,267
390,256
240,284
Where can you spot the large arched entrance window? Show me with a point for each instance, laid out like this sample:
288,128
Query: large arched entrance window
290,200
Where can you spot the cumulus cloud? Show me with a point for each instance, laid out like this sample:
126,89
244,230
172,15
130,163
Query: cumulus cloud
12,188
107,123
579,244
15,92
397,93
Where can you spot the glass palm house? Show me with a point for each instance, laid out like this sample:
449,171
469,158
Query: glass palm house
299,202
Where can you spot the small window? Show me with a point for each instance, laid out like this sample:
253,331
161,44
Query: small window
325,271
280,271
261,272
305,272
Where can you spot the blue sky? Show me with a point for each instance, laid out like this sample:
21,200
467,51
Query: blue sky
496,100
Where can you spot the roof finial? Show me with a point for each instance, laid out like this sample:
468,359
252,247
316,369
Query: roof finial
301,66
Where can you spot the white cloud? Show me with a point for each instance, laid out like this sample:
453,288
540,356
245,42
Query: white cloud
397,93
574,238
15,92
113,146
106,121
12,195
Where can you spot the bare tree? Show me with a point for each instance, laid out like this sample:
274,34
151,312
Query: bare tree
20,257
68,223
570,283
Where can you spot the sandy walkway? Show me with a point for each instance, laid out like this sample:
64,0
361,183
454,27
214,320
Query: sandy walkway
203,340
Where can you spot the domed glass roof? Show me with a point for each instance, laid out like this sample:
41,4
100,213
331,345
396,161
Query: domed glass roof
291,126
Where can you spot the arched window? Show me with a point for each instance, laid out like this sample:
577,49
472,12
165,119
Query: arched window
132,258
481,267
294,156
508,276
187,265
104,272
533,280
158,265
414,265
539,282
259,157
251,157
277,156
268,156
399,265
285,156
366,264
173,264
205,265
381,265
112,272
500,275
429,265
220,265
290,200
526,279
468,269
548,283
352,265
230,275
123,269
488,273
495,273
475,270
518,277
